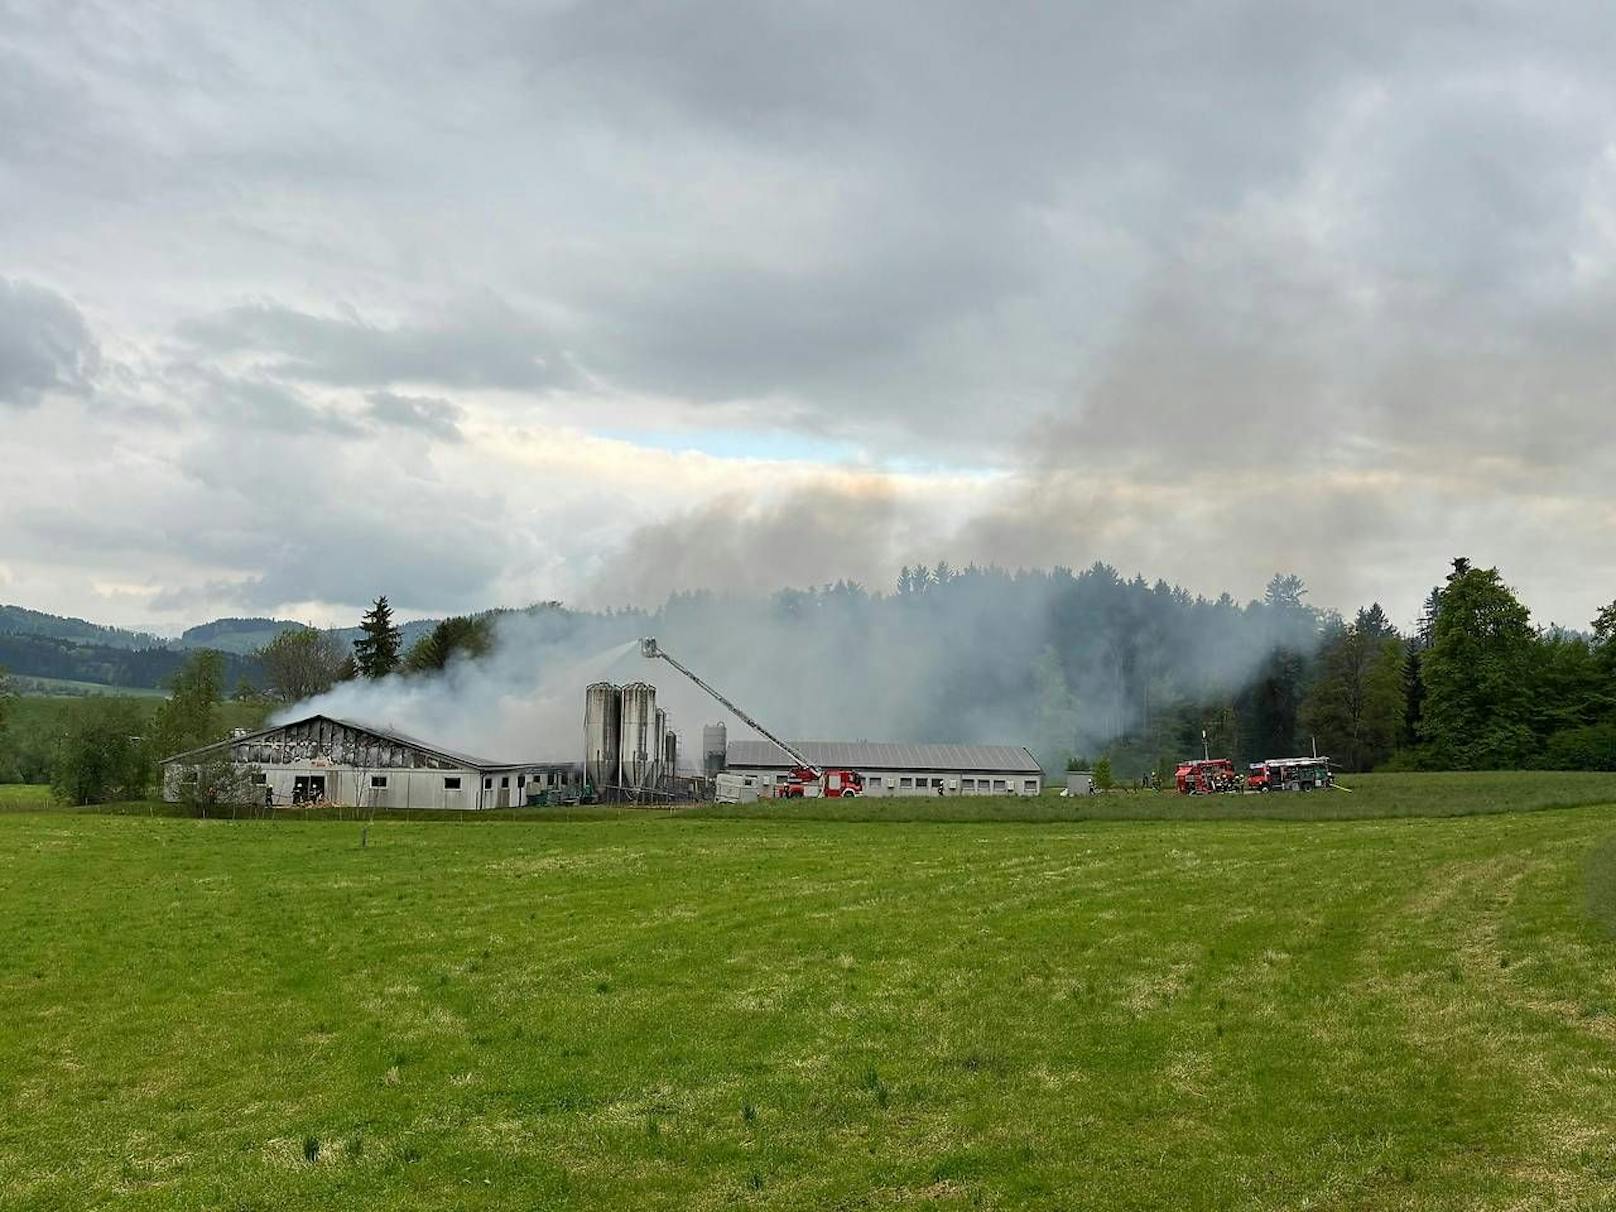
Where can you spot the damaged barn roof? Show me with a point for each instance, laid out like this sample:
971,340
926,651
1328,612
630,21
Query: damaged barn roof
383,734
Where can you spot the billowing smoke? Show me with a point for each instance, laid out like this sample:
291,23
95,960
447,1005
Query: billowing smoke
1059,661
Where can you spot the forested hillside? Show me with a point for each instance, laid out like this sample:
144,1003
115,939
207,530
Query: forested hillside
18,620
34,644
140,668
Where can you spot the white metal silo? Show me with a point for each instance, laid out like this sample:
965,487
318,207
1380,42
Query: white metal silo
603,710
640,743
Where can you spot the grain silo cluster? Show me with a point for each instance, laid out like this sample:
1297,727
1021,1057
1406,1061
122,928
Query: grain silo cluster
630,753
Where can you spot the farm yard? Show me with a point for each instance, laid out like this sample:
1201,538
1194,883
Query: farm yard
1416,1008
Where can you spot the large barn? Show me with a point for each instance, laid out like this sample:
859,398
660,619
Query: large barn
902,769
320,759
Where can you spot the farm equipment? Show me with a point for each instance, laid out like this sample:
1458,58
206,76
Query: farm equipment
1211,776
804,779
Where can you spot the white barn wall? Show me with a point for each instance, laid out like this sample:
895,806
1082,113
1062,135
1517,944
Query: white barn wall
981,782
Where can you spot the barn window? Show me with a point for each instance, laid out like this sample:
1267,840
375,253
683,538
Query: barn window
937,782
967,784
1030,786
451,783
505,781
998,785
521,780
259,777
488,784
906,781
378,780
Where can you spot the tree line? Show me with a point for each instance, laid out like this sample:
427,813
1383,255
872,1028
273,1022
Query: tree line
1474,686
300,664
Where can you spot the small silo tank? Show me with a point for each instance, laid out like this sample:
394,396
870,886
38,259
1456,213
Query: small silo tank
670,754
603,707
714,749
659,735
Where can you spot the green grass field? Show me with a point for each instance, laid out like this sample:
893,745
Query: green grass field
26,797
1360,796
670,1012
67,688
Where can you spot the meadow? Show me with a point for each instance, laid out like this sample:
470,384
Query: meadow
689,1010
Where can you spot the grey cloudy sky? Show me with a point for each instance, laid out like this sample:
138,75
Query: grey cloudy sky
480,303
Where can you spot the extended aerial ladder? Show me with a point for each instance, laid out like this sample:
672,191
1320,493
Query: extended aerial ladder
839,782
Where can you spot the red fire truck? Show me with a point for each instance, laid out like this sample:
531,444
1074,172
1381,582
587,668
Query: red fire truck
809,781
1291,774
1212,776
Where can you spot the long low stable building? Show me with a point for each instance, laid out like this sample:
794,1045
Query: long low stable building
321,759
901,769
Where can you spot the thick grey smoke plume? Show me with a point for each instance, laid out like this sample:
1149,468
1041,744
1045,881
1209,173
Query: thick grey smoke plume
1060,662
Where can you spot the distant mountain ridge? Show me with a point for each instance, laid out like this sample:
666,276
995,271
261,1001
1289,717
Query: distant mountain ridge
19,620
236,635
34,643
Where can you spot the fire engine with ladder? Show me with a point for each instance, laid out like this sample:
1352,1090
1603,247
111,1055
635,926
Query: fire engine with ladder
804,779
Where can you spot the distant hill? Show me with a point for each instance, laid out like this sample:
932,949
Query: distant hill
236,635
34,644
39,656
19,620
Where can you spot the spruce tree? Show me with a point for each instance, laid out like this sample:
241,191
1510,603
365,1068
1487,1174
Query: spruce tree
376,653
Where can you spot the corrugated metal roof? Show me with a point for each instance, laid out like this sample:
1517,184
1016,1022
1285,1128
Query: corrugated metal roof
881,755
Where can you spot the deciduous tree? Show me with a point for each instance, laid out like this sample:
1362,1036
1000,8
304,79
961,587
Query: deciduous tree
300,664
188,719
101,757
456,636
1479,673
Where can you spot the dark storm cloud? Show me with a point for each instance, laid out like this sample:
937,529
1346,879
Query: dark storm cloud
431,415
484,344
45,345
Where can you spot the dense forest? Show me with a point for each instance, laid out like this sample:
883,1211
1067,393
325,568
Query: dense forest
1475,686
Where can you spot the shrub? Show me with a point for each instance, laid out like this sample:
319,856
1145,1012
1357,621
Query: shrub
101,757
1103,778
1589,748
